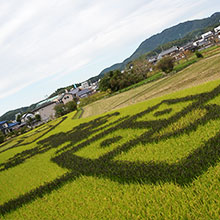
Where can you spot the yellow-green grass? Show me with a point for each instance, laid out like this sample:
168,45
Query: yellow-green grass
159,159
211,51
205,70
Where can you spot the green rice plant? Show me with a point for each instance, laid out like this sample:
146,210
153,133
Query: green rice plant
182,66
158,159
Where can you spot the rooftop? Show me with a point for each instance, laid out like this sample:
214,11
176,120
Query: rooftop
10,125
43,105
46,101
217,29
207,34
166,52
2,122
74,91
84,91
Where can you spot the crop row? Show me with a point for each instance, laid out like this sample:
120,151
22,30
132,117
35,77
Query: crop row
182,172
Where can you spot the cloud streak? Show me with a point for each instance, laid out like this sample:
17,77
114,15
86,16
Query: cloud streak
58,39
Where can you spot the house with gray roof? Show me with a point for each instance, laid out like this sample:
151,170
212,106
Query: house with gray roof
74,91
189,47
4,127
46,111
170,52
84,93
68,96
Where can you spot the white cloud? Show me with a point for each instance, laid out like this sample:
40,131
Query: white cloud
41,39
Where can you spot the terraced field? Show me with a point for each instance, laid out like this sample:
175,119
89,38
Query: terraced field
205,70
159,159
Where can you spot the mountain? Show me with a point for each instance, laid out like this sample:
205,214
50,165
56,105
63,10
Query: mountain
171,34
10,115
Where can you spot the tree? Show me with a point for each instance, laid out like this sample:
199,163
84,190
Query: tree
140,66
117,80
198,54
2,137
37,117
18,118
30,120
105,82
166,64
60,110
70,106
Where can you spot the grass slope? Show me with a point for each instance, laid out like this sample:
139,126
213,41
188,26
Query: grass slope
159,159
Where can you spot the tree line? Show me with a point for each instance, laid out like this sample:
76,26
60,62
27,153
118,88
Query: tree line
134,72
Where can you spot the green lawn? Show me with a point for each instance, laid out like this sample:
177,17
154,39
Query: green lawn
158,159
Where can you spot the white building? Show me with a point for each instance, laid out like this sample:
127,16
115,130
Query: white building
207,35
217,29
85,85
27,117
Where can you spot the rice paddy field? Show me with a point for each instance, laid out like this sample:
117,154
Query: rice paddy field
204,70
158,159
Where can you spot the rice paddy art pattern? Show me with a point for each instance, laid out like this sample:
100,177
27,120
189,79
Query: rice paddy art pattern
98,132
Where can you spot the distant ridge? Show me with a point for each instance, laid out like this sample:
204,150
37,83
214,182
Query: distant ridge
170,34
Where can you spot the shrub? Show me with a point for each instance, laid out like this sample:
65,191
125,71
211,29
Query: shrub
166,64
70,106
60,110
117,80
2,137
37,117
198,54
105,82
23,129
18,118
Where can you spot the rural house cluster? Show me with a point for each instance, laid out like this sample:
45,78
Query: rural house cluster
45,109
206,40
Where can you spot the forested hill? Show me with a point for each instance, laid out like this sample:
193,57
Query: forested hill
171,34
10,115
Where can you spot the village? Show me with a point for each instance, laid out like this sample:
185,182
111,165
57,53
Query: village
206,40
45,110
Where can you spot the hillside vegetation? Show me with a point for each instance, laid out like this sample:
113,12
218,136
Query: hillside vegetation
177,35
159,159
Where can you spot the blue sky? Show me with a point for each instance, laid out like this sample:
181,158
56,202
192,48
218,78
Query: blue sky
45,45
